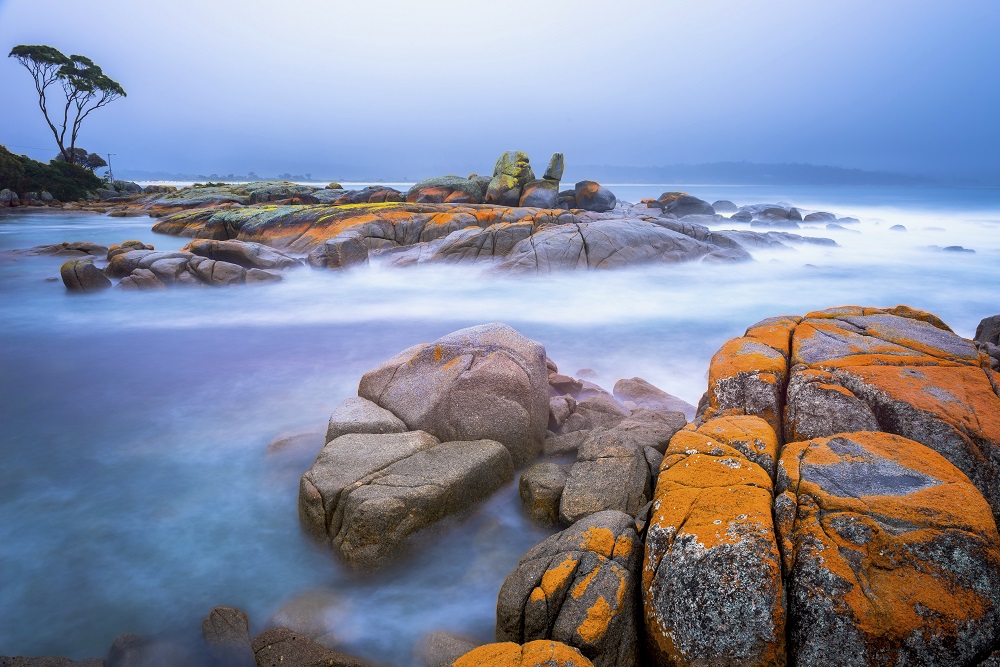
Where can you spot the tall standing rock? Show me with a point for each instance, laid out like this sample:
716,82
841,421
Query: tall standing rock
511,173
484,382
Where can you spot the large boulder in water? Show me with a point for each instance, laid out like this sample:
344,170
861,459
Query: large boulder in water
578,587
511,173
688,205
484,382
80,275
367,495
891,556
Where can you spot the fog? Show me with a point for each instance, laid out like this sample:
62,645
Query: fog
401,90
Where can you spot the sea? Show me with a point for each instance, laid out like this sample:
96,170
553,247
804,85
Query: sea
152,441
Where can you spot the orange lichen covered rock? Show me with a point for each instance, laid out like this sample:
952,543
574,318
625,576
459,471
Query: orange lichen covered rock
901,371
747,376
854,336
891,555
578,587
539,653
712,568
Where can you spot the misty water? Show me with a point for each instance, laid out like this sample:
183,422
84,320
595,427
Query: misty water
138,490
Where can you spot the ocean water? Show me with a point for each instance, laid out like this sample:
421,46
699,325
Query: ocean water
138,488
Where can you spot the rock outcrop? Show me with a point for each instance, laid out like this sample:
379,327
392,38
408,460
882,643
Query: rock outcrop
883,548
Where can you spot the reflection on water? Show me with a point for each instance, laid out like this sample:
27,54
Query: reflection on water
136,490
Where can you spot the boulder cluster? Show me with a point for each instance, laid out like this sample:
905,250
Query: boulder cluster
832,500
202,262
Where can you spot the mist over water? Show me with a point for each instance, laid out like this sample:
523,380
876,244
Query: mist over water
137,489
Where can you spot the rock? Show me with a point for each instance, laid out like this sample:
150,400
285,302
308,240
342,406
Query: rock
645,395
819,216
67,249
314,614
80,275
541,488
748,375
126,246
567,199
277,191
334,185
608,244
957,248
510,174
107,194
835,226
817,404
609,475
564,444
890,554
158,189
281,647
46,196
359,415
724,206
688,205
988,330
541,193
140,279
48,661
339,253
712,568
897,228
554,172
578,587
8,198
442,649
484,382
918,379
591,196
848,221
795,214
768,223
243,253
128,187
441,188
368,494
647,428
533,654
598,410
741,216
227,632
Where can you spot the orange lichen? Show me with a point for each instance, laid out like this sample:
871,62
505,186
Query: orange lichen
596,624
556,577
539,653
623,547
581,586
890,587
599,540
437,353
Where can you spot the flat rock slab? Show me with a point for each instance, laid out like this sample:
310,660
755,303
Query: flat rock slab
891,555
367,494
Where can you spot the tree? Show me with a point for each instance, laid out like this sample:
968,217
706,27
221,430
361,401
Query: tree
81,157
85,86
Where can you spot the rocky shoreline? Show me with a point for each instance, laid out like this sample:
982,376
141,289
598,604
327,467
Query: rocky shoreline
832,499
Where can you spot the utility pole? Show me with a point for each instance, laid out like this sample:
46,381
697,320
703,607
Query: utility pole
111,176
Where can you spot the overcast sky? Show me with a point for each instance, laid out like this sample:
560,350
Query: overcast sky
403,88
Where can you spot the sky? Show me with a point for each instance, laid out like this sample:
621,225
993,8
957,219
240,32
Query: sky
403,90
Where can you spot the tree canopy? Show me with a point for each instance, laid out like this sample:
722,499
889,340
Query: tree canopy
85,87
81,157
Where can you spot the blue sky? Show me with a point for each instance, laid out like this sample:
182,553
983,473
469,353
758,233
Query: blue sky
414,89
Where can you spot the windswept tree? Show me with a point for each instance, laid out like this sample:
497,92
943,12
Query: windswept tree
81,157
83,84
